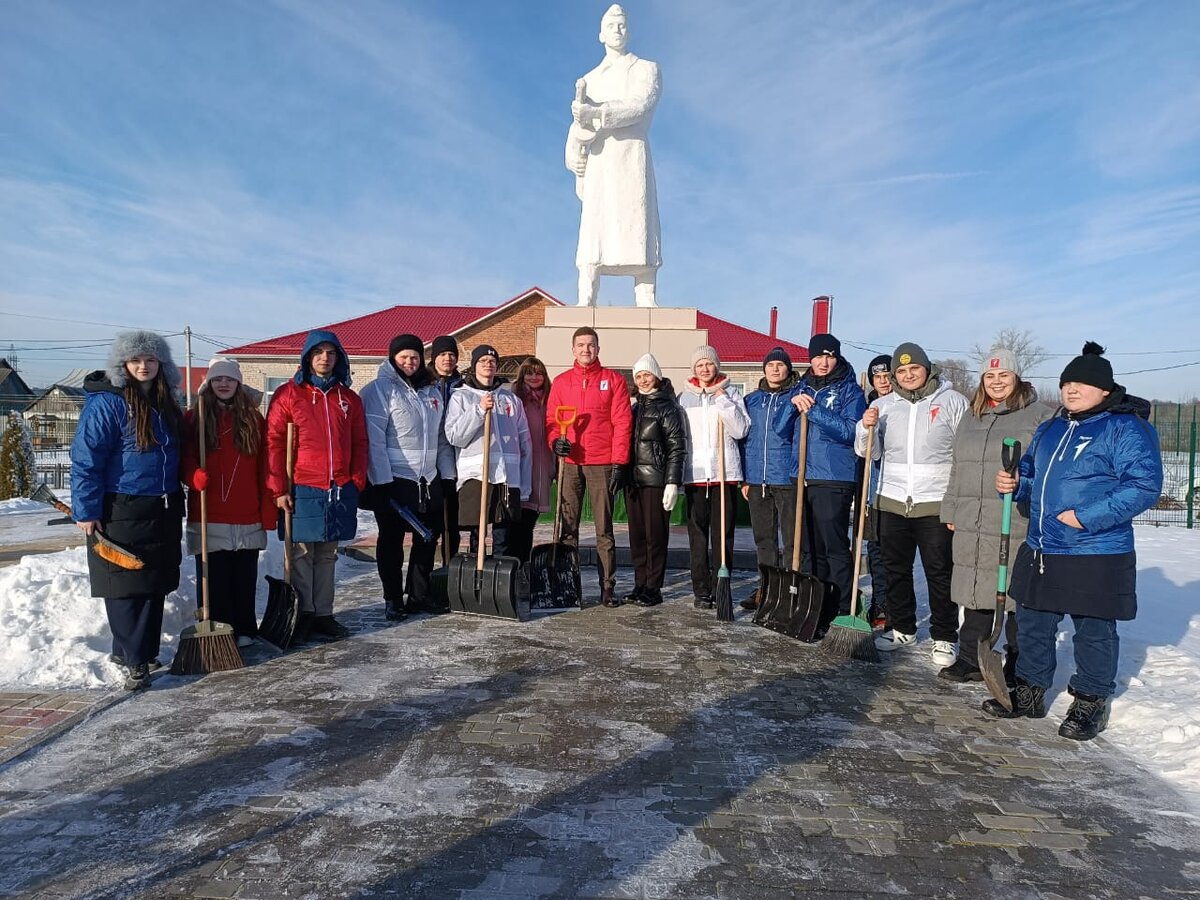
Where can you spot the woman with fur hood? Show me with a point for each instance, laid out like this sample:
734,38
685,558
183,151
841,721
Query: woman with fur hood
404,431
125,486
510,454
1003,406
707,398
241,510
657,456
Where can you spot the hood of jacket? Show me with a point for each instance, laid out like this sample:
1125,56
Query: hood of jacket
98,381
694,386
341,369
664,391
838,374
1117,402
419,379
790,382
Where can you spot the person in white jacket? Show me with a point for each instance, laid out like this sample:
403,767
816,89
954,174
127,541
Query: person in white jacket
707,398
914,441
404,432
510,463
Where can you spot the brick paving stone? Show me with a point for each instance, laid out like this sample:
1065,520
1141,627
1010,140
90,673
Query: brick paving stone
605,753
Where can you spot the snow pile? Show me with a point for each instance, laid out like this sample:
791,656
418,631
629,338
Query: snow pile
1156,713
55,634
25,505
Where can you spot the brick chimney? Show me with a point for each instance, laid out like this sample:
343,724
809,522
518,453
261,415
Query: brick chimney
822,315
774,320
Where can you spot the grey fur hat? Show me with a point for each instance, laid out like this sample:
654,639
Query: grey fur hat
128,344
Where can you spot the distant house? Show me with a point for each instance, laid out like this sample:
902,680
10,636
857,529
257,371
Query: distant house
15,394
511,327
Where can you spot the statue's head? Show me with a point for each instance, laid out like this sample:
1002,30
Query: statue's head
614,29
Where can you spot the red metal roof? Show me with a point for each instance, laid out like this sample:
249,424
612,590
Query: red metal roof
369,335
736,343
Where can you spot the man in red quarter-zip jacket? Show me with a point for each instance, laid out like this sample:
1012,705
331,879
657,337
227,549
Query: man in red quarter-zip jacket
595,448
330,471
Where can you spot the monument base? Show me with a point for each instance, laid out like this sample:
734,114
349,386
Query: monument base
626,334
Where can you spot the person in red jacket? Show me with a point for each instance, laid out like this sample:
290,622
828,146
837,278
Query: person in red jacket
241,510
595,447
331,470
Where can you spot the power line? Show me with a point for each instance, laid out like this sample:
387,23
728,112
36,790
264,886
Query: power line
78,321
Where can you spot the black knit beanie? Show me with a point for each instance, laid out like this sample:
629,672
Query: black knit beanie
777,354
443,343
880,365
824,343
481,351
405,342
1090,367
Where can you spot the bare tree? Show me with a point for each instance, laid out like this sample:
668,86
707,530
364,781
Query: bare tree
957,372
1029,353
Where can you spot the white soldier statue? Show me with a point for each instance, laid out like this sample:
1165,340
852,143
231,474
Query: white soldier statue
608,149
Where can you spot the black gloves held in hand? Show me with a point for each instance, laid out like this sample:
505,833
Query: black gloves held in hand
561,447
616,481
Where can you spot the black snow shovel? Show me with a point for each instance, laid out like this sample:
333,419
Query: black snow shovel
792,601
279,620
480,585
991,663
554,580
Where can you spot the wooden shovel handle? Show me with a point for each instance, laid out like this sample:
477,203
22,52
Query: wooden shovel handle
202,428
801,470
862,522
481,552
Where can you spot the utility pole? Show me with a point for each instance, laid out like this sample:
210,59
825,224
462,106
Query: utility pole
187,340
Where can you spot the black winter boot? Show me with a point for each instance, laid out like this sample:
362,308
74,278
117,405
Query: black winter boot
650,597
960,671
394,612
1087,717
635,596
1027,700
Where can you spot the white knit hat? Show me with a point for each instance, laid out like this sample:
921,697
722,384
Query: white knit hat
220,367
705,351
1002,359
648,364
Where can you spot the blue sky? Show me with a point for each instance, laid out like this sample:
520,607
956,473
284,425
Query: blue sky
944,169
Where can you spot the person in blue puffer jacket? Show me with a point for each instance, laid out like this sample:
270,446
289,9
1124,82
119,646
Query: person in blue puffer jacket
125,486
830,395
769,466
1088,472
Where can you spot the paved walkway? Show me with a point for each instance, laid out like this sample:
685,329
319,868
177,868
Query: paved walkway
597,753
28,718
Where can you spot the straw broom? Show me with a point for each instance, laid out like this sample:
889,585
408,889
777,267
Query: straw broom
851,637
723,593
206,646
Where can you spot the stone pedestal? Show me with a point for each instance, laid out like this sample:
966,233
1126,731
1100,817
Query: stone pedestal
626,333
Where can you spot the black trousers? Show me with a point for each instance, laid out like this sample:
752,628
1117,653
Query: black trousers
899,540
773,510
520,534
502,534
136,625
826,544
976,625
232,579
389,547
649,535
448,528
704,532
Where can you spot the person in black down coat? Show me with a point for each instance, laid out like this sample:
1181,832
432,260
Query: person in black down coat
658,454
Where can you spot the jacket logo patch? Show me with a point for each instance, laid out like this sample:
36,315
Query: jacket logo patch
1081,445
604,385
345,406
829,401
933,413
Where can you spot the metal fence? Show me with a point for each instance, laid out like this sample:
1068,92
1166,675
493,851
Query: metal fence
1176,426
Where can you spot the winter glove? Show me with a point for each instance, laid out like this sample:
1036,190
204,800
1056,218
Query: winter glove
616,481
561,447
367,497
200,479
670,497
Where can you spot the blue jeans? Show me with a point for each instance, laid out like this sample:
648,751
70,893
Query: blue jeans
1096,649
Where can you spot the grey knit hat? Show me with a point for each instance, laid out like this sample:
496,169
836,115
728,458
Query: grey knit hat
129,344
705,351
910,354
1002,359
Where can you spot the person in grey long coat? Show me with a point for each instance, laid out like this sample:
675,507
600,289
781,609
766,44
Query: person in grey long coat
1003,406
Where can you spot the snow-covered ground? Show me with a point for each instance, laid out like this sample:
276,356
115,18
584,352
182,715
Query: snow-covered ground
53,634
25,521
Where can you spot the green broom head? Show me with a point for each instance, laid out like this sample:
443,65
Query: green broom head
723,596
205,647
851,637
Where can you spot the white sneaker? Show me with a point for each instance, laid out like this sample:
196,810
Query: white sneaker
245,641
943,653
894,640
